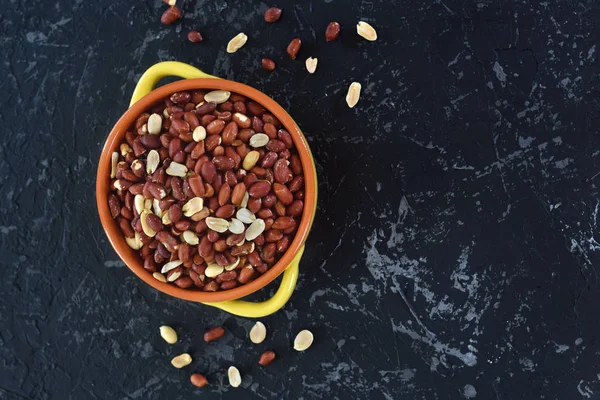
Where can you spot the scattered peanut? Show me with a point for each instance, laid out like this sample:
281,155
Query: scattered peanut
366,31
311,64
258,333
268,64
214,334
266,358
170,15
332,31
169,334
194,37
303,340
293,48
235,378
181,360
237,42
272,14
198,380
353,94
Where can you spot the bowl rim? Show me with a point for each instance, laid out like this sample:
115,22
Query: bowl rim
130,256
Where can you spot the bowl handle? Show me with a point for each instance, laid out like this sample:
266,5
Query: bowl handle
158,71
268,307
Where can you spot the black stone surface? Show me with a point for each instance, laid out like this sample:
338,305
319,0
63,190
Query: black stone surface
463,187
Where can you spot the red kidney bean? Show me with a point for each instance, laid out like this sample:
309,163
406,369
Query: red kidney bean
296,184
280,209
250,179
239,107
211,286
126,228
281,172
206,108
234,239
215,127
230,133
295,209
220,245
283,244
260,240
295,164
225,211
245,275
284,222
209,171
167,240
259,189
264,213
231,153
283,194
257,125
230,178
269,200
255,108
223,163
127,213
254,204
273,235
212,142
268,160
182,225
113,205
225,116
271,132
286,138
228,285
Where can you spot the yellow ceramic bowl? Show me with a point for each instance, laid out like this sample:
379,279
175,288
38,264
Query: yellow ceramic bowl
144,96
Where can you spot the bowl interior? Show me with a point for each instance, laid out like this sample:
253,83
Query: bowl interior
116,137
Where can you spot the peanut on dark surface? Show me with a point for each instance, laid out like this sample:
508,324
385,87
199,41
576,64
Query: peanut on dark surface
332,31
214,334
268,64
208,187
293,48
170,15
194,37
266,358
272,14
198,380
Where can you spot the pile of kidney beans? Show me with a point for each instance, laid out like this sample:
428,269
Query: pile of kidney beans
209,188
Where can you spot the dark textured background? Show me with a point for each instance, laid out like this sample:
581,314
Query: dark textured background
465,180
